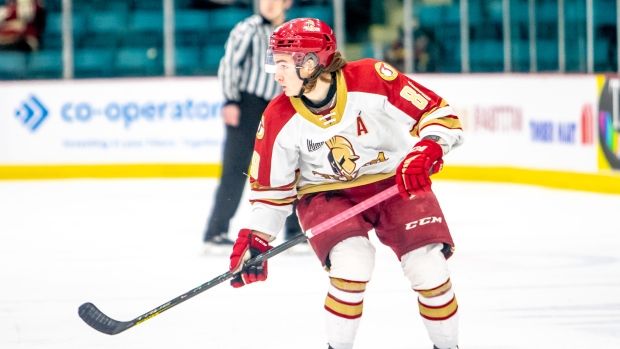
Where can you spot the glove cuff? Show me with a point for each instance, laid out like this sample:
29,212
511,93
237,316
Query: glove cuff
258,243
430,147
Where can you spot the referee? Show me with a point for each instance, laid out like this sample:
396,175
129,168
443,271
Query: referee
247,91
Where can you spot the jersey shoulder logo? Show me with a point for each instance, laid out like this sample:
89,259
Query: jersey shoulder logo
386,71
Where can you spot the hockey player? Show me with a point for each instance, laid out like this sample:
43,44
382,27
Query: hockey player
339,133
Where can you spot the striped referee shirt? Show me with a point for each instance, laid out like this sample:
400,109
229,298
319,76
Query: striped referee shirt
242,69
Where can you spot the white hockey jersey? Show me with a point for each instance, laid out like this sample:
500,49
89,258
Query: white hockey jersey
378,116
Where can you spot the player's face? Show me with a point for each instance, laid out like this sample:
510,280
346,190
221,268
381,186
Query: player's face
286,74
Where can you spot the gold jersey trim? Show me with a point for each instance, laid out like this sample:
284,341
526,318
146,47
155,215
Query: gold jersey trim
362,180
337,112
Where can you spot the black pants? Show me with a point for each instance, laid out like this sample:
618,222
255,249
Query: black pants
238,148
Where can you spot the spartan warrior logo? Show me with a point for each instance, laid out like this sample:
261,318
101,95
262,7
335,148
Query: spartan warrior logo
342,159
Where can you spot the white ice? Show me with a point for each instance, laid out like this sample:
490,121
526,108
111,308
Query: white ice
534,268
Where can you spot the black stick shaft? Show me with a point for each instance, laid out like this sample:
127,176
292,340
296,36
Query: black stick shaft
103,323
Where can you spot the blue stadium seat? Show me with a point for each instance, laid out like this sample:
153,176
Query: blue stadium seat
45,64
12,65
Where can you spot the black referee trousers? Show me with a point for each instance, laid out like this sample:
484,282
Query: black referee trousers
237,154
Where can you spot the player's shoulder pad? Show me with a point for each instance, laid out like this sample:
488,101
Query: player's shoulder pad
278,112
369,74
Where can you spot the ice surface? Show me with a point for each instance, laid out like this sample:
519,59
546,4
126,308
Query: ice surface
534,268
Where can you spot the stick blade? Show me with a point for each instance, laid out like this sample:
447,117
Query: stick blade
96,319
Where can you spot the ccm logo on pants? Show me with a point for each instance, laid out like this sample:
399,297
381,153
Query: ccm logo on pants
423,221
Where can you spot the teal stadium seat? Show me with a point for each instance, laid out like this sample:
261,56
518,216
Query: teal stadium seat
322,12
12,65
45,64
601,56
223,20
187,60
211,56
191,26
145,29
547,12
486,55
137,62
431,16
605,13
146,20
547,51
520,56
52,35
104,28
146,4
94,62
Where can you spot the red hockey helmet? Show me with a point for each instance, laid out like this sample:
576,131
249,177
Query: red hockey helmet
301,37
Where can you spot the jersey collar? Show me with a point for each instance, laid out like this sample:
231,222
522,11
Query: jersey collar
335,115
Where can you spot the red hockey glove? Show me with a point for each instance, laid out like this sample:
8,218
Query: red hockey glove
247,246
413,173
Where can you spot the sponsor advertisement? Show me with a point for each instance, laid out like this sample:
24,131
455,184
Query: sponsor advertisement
111,121
529,121
554,130
608,120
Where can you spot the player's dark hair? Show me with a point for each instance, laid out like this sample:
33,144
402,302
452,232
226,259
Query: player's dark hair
336,64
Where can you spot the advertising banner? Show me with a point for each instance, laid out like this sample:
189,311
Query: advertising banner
530,121
608,120
111,121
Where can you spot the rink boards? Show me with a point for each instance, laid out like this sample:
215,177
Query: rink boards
557,130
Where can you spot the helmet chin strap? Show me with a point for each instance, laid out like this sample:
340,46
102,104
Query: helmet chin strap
314,76
317,71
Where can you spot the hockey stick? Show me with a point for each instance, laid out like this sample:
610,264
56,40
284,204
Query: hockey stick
96,319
